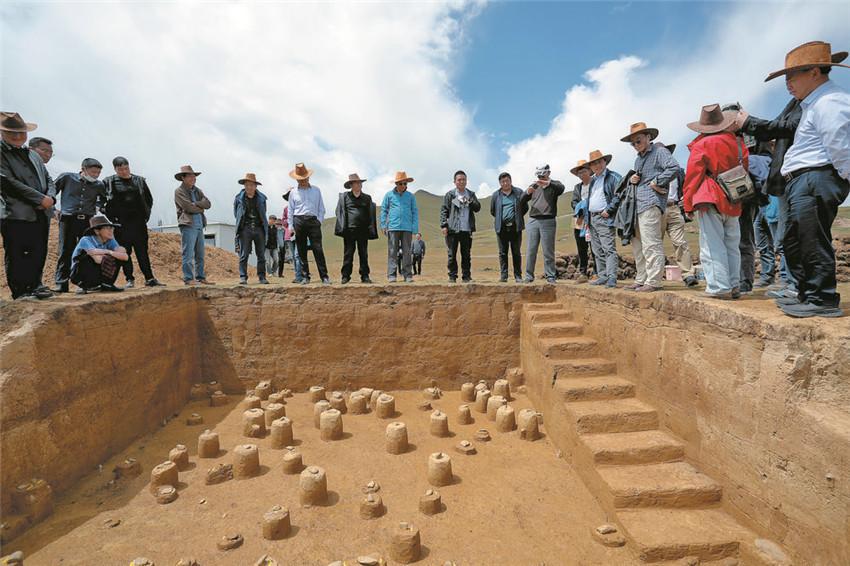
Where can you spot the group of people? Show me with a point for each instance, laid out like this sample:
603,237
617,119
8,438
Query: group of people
772,185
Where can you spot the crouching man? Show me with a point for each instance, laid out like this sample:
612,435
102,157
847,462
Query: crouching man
97,258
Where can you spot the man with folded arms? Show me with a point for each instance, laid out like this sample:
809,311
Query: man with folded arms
817,170
655,168
191,204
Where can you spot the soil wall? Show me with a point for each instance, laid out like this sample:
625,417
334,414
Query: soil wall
761,401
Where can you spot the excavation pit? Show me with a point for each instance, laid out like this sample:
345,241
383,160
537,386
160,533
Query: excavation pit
206,335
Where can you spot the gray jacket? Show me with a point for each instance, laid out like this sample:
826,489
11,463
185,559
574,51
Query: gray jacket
21,191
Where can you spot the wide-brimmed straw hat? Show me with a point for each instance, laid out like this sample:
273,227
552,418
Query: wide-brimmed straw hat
300,172
185,170
808,56
98,221
712,120
582,163
639,128
596,154
249,177
671,148
12,122
402,177
353,178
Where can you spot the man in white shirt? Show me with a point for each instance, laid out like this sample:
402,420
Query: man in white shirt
817,170
306,214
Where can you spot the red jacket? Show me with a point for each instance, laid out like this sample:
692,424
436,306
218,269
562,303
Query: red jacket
711,154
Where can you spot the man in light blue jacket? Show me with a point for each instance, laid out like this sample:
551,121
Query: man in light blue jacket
399,221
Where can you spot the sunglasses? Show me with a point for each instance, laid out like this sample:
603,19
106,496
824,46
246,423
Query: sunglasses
401,184
636,142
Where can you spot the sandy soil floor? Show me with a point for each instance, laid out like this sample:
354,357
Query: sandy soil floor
513,503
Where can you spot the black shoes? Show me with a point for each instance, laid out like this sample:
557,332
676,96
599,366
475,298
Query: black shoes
345,280
264,281
130,284
110,288
61,288
152,282
326,281
365,280
243,280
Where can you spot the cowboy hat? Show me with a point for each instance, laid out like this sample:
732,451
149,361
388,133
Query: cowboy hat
249,177
596,154
402,177
186,170
671,148
12,122
98,221
582,163
712,120
353,178
639,128
300,172
808,56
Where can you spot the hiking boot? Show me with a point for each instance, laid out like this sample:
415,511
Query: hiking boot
806,310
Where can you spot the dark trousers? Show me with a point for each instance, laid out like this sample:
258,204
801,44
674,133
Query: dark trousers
464,239
813,200
512,239
582,246
89,274
252,236
309,228
133,235
25,247
747,246
360,240
71,229
417,265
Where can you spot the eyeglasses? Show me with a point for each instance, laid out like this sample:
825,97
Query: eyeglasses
401,184
636,142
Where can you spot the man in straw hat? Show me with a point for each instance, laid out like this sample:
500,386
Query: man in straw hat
252,227
579,203
655,168
817,170
541,197
356,225
27,195
191,204
602,204
714,151
399,221
306,214
97,258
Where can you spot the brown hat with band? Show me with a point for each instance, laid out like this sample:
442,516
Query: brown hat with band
99,221
712,120
401,177
186,170
300,172
353,178
581,164
249,177
640,128
596,154
808,56
12,122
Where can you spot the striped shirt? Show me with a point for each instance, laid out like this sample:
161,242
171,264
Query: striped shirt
655,164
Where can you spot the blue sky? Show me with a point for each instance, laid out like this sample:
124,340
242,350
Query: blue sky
379,87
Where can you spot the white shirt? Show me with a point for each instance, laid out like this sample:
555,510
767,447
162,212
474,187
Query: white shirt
673,192
597,203
823,136
306,202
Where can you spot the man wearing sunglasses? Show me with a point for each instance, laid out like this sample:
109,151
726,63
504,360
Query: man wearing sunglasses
399,221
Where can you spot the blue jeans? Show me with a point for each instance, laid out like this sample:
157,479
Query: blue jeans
252,236
765,244
192,239
719,238
813,200
293,253
537,230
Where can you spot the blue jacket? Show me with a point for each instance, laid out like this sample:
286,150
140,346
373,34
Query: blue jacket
399,212
239,210
612,179
520,208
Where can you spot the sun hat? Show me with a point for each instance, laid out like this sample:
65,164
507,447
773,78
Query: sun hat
582,163
808,56
712,120
300,172
98,221
185,170
12,122
639,128
596,154
249,177
401,177
353,178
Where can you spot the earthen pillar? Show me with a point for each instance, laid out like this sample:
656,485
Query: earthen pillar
529,425
371,506
292,461
431,503
319,408
281,433
338,402
440,469
246,461
164,474
406,546
397,438
276,524
208,446
254,423
481,399
502,388
467,392
273,412
331,425
493,404
317,393
180,456
439,424
505,419
263,389
386,406
464,417
358,403
313,488
253,402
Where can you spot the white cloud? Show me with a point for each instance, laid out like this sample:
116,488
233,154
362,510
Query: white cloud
741,46
236,87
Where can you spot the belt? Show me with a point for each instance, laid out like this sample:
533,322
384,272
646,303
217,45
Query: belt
794,174
77,216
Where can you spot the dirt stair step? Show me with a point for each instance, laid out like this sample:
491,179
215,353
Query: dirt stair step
536,307
594,388
643,447
566,368
672,534
568,347
669,484
558,329
555,315
614,415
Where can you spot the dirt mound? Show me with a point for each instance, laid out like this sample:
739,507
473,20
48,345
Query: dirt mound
165,253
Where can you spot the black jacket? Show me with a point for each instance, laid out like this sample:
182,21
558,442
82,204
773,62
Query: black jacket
341,224
144,193
450,211
782,129
520,208
24,182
